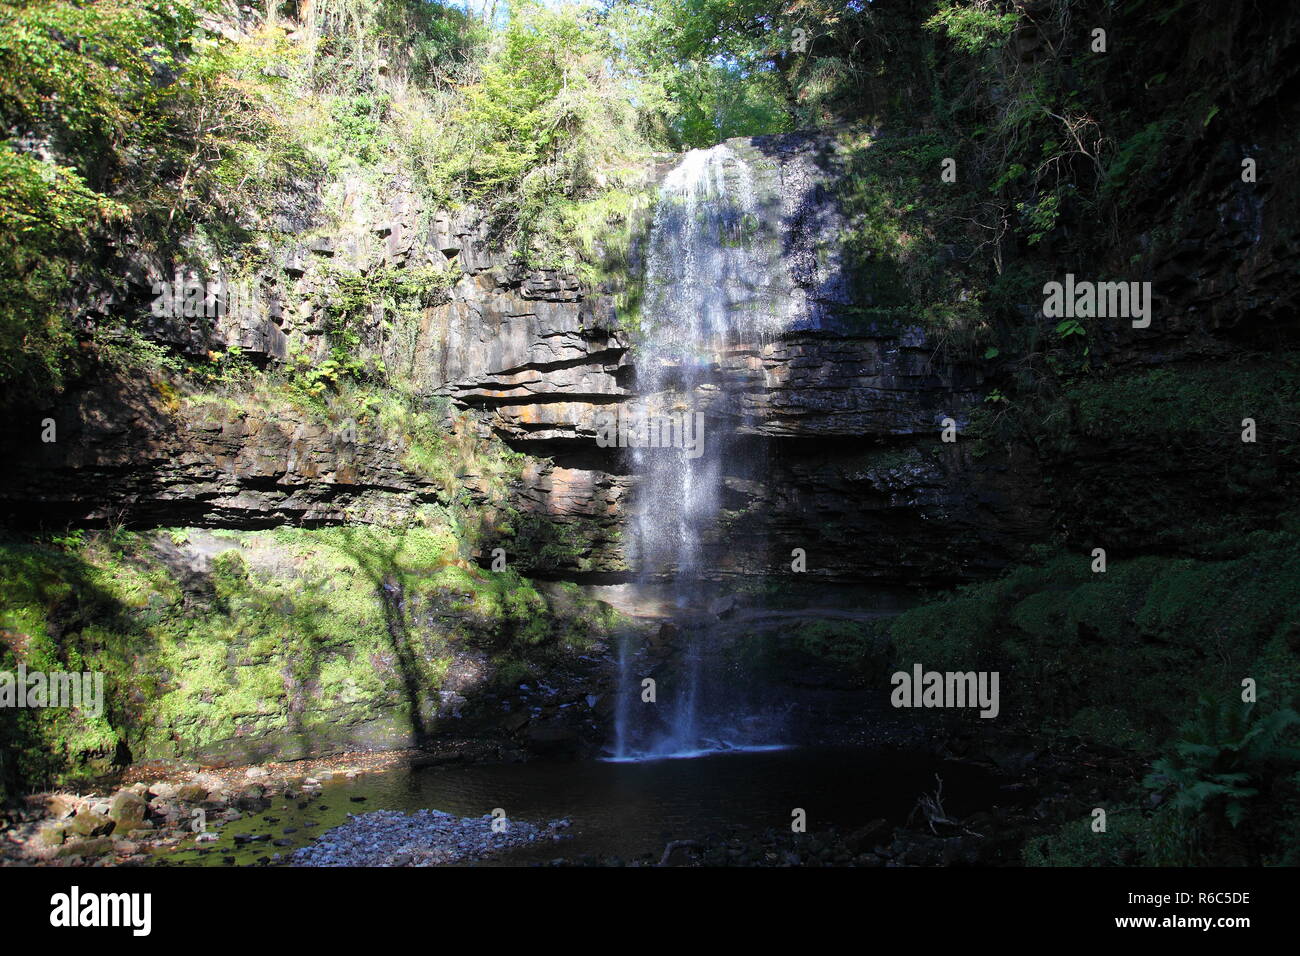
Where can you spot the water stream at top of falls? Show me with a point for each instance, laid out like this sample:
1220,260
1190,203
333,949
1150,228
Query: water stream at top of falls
713,288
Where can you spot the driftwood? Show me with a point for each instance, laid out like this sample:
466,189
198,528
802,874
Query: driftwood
931,805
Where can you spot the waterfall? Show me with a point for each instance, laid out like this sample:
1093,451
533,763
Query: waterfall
714,282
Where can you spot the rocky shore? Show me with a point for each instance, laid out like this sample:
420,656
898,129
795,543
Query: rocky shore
156,809
423,838
296,814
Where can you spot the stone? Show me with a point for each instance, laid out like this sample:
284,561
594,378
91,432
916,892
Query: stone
867,838
61,805
87,848
89,823
127,810
723,606
192,793
252,797
51,835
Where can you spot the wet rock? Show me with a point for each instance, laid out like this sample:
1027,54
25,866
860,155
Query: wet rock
868,837
679,853
724,606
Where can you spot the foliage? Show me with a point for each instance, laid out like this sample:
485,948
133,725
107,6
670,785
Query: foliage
1123,843
903,225
119,119
1216,775
548,125
291,633
751,67
973,27
44,209
1119,656
850,645
357,42
85,71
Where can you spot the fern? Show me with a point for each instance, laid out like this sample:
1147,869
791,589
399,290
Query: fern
1226,752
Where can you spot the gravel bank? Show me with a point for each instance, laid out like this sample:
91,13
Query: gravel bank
423,838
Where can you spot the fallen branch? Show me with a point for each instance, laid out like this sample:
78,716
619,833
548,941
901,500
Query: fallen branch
932,807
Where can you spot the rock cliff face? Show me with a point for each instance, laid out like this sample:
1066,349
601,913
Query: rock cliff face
845,414
849,415
126,451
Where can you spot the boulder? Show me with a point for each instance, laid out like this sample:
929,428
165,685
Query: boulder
192,793
88,823
61,805
127,810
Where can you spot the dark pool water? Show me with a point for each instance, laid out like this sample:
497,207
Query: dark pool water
626,809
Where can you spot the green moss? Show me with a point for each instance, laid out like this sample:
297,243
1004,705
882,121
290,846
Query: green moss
291,635
1201,401
852,645
1076,844
903,225
1121,656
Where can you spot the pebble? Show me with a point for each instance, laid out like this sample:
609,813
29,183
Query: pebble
423,838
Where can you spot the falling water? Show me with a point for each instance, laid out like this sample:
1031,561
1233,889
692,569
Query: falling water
712,283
